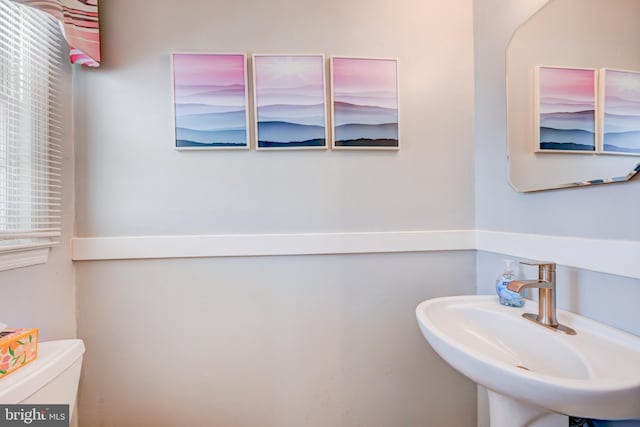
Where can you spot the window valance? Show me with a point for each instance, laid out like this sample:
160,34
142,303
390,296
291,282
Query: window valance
79,20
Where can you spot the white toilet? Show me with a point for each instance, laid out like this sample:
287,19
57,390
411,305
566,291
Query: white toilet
50,379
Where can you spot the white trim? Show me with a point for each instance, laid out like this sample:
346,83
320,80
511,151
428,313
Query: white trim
103,248
23,258
618,257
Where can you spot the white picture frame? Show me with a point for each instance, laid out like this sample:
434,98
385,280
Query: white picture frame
210,101
565,110
365,103
290,102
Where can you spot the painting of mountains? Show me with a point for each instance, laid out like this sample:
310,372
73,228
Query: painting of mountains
621,111
290,104
210,98
364,103
566,106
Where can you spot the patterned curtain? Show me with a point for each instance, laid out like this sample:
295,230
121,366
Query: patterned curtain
79,20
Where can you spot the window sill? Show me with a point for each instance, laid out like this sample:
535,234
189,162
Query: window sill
23,258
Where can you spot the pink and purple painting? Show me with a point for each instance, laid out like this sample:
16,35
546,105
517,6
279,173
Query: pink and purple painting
364,103
621,111
566,102
290,104
210,96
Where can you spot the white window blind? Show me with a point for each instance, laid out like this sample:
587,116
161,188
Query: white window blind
30,128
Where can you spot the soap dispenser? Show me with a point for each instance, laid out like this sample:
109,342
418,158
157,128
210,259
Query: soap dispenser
506,296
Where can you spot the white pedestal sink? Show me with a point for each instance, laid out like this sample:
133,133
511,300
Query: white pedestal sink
536,376
508,412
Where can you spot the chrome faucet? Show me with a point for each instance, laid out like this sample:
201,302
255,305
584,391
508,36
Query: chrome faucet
546,284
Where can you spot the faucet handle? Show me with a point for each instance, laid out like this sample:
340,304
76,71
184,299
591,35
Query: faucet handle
546,265
546,270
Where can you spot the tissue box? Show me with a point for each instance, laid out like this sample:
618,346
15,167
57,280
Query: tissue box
17,348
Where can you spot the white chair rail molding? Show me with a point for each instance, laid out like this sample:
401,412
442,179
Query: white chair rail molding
617,257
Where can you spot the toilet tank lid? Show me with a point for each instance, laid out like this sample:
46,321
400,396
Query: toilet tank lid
54,357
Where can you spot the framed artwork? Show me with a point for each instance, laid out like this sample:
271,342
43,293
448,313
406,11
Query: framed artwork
289,102
620,112
364,103
210,101
565,110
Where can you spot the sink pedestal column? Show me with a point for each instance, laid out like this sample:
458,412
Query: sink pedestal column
507,412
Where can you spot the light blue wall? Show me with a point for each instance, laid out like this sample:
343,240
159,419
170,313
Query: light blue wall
609,211
272,341
132,182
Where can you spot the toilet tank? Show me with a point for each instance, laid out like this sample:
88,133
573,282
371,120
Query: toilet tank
50,379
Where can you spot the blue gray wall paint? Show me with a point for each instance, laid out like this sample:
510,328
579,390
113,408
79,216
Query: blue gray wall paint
272,341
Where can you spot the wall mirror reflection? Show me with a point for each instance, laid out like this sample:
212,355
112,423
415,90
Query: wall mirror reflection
572,34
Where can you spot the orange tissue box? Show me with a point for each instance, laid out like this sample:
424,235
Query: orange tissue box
18,347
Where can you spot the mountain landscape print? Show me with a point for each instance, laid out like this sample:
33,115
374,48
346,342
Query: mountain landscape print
210,96
566,109
290,105
364,103
621,111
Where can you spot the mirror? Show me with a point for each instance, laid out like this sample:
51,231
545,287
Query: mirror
591,34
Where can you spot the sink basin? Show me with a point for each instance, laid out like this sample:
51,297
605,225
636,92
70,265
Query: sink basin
594,374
